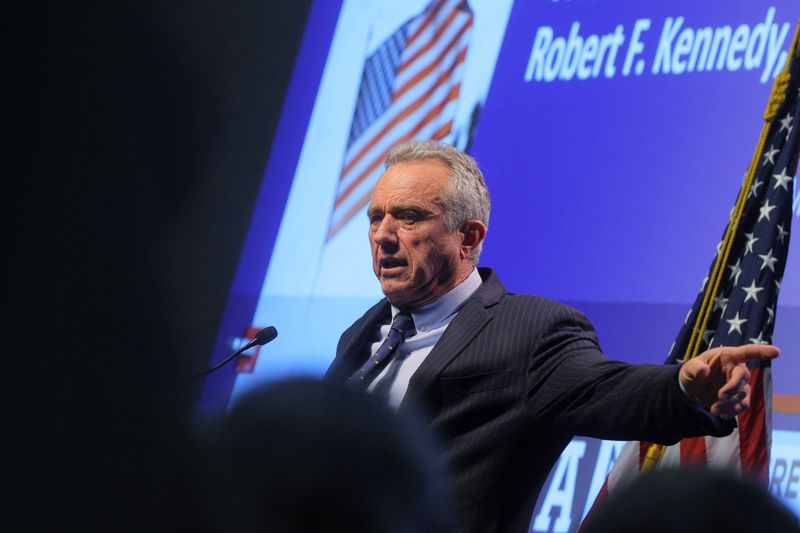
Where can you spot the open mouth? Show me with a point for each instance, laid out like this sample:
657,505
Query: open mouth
391,263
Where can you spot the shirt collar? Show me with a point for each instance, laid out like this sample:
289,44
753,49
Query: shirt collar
439,311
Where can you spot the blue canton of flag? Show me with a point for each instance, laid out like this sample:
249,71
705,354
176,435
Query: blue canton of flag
409,90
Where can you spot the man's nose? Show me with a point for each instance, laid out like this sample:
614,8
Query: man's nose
385,234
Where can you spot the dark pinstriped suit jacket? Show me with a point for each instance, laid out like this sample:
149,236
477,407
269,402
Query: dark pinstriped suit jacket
510,382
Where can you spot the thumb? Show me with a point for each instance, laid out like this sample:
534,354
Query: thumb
694,370
702,371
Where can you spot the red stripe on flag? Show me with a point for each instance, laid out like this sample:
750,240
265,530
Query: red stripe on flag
752,431
432,114
444,130
693,452
433,40
377,161
433,64
427,22
643,447
439,31
391,124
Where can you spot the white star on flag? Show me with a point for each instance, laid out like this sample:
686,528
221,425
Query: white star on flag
781,180
782,232
768,261
786,122
720,303
765,210
769,155
752,292
736,271
759,339
751,240
754,188
735,324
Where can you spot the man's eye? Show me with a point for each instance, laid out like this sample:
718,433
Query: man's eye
374,219
409,217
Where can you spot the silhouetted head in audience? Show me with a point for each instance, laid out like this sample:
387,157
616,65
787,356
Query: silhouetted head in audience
305,455
691,500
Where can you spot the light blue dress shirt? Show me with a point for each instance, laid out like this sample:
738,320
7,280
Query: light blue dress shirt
430,322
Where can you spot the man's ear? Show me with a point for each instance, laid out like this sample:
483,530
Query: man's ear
473,232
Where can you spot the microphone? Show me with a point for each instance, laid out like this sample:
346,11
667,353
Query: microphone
264,336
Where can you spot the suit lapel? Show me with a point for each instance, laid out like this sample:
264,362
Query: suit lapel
355,343
471,319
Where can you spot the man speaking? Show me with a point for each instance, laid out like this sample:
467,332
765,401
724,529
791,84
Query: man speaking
504,380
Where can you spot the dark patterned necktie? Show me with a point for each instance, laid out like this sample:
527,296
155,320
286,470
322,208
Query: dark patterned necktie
401,326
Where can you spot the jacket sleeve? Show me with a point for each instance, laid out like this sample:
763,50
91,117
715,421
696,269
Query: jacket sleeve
573,387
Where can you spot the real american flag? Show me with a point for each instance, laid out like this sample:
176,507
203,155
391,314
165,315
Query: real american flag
738,299
409,90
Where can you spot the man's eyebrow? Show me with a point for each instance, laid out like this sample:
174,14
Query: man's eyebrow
402,208
414,208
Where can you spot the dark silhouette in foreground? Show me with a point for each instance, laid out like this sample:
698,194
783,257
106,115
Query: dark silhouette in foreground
689,500
305,455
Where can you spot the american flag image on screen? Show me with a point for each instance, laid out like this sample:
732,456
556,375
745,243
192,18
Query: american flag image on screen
409,90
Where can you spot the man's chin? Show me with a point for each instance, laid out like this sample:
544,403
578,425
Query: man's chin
391,289
394,291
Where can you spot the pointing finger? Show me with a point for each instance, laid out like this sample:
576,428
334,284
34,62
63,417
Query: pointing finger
749,352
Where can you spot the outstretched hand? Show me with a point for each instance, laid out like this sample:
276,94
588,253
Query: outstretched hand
719,378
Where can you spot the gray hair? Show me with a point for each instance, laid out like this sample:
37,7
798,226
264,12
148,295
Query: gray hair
466,196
